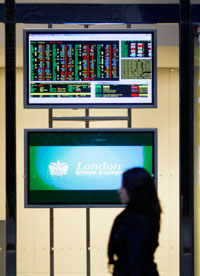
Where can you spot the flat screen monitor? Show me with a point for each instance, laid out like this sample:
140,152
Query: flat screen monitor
89,68
83,168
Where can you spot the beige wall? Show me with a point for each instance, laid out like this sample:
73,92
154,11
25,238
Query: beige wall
69,224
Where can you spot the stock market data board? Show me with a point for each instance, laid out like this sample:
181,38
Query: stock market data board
94,68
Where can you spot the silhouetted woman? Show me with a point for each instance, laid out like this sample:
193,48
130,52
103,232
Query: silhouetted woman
134,235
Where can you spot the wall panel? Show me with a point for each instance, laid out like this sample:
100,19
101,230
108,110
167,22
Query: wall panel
101,223
70,241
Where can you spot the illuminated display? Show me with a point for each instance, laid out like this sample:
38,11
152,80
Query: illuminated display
60,90
75,68
77,61
83,167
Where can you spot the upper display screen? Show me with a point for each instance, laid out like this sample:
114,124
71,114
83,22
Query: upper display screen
89,68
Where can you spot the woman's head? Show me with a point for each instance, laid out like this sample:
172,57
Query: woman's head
138,190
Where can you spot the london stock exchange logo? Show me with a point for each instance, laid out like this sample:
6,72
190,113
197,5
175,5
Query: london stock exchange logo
58,168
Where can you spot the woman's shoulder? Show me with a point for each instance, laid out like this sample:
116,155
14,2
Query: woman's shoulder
137,216
130,218
137,219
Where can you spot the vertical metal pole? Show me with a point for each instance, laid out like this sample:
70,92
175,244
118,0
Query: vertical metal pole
51,209
10,64
88,240
51,242
50,118
186,141
87,123
87,212
51,218
87,220
129,109
129,118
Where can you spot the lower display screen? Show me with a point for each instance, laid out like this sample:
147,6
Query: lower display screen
83,167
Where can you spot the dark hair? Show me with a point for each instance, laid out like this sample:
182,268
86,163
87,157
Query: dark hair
142,192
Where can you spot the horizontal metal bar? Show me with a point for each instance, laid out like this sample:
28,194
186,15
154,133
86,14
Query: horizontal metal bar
89,118
195,11
96,13
118,205
2,13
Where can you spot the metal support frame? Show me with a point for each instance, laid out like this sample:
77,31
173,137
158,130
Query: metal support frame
87,119
97,13
10,138
51,217
51,211
88,272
